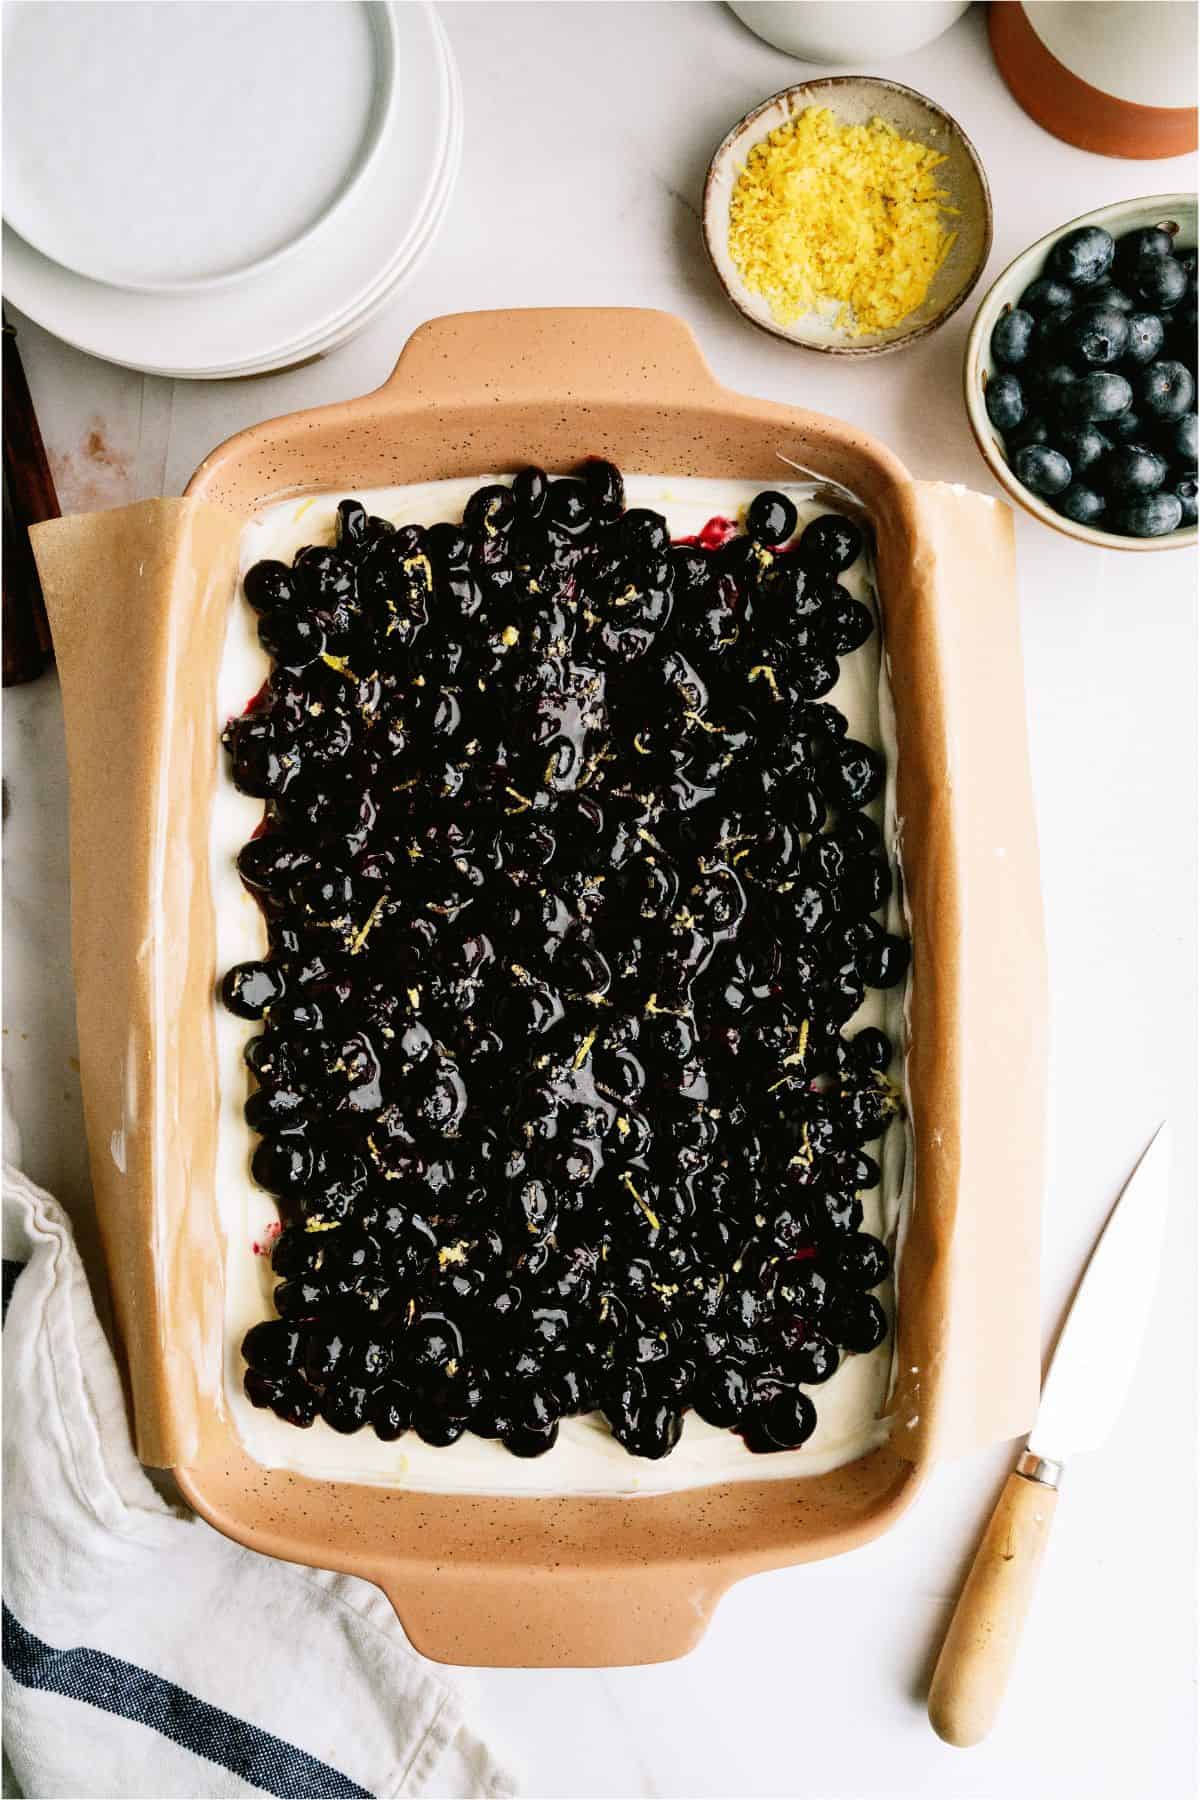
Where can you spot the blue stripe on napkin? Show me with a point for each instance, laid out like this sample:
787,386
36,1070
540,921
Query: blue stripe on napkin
122,1688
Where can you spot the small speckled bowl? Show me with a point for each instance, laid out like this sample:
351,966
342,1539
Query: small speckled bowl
1177,213
854,100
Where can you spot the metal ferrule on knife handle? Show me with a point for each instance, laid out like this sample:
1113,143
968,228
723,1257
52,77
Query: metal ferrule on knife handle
1039,1468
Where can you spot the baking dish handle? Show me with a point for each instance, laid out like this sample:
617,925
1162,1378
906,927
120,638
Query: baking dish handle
647,357
493,1616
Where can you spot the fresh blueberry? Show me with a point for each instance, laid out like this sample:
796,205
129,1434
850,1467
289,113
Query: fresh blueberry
1004,398
1047,334
1180,439
1032,430
1082,445
1108,295
1054,379
1130,470
1012,335
1127,428
1152,516
1046,295
1137,249
1083,257
1096,337
1042,470
1162,283
1145,337
1081,504
1096,396
1166,390
1185,493
1183,334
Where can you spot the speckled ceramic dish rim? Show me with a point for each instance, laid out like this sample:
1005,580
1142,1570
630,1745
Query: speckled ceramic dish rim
139,603
1122,215
715,220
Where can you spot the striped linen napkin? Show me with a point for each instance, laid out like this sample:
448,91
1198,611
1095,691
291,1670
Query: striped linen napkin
144,1654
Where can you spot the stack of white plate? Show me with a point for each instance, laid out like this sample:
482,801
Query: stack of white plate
222,188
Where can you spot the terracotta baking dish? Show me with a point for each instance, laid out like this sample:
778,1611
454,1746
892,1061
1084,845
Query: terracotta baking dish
139,601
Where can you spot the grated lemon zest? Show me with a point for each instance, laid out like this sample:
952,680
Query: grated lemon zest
361,936
651,1216
846,220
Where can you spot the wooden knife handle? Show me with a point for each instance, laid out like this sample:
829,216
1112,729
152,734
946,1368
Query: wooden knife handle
981,1645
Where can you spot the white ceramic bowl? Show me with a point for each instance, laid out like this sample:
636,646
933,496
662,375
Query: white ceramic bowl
829,31
1175,211
854,100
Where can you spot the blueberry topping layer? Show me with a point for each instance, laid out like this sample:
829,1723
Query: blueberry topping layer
570,899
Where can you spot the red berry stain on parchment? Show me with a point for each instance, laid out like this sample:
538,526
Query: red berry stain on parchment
95,475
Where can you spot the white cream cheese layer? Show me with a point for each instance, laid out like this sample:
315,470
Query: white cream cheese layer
851,1407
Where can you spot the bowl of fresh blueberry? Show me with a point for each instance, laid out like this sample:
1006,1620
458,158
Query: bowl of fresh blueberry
1080,376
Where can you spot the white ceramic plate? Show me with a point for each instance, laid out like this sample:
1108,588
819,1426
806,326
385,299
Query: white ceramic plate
259,321
402,264
385,290
381,292
380,297
169,148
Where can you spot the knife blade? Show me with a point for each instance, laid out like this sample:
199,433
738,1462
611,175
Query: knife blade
1082,1397
1095,1359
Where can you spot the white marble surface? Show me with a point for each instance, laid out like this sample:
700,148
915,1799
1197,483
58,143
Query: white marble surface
588,131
